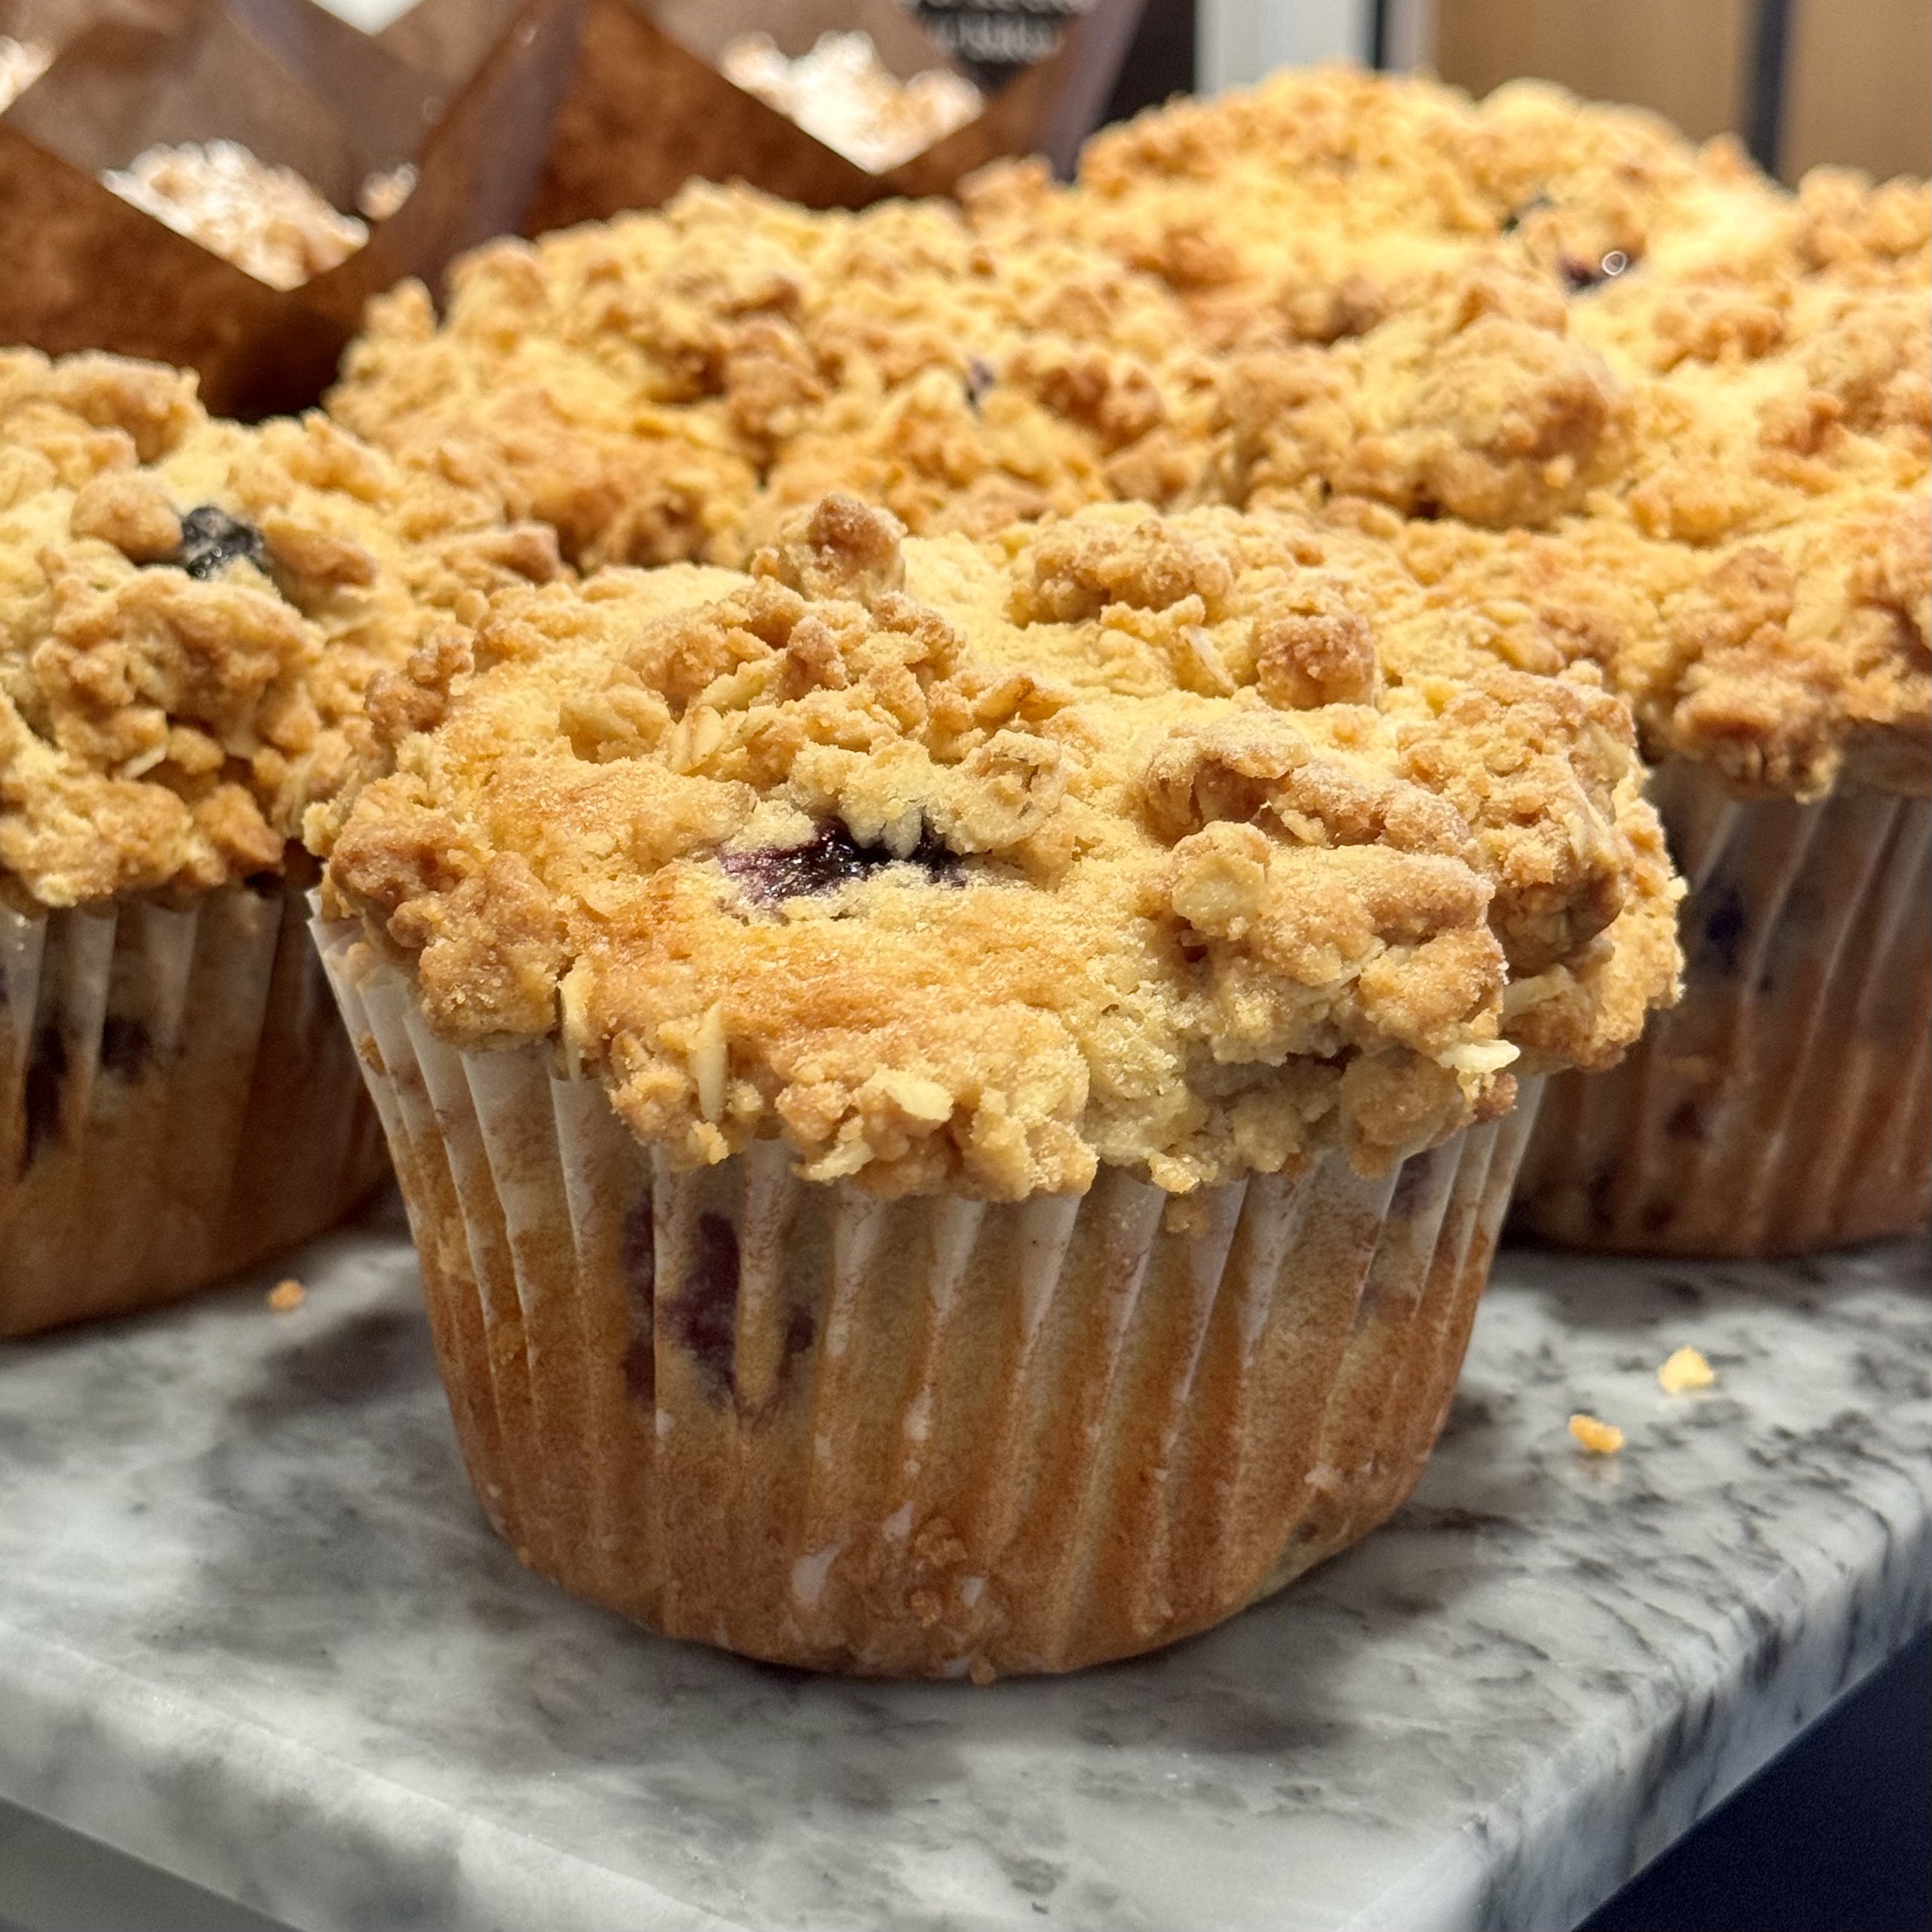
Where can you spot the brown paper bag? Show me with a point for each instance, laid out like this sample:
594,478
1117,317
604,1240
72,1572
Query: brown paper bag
648,109
298,88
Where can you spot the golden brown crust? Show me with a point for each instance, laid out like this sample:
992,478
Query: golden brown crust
671,385
969,867
1528,308
1338,289
173,695
1780,662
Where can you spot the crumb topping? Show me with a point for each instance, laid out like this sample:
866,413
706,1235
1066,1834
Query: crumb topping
1194,845
1338,294
191,615
670,386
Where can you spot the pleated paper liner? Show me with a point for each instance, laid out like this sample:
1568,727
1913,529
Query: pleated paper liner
177,1100
648,109
926,1436
1786,1105
463,91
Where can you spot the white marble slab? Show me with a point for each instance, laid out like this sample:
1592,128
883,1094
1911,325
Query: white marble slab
252,1630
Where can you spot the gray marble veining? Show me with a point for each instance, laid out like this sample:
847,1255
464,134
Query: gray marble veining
253,1629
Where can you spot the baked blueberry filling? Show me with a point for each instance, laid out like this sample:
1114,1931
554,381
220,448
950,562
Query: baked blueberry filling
46,1074
703,1316
829,859
126,1046
638,1256
211,540
1725,924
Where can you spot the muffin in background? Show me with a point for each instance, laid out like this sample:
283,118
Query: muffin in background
1631,402
1786,1103
192,615
955,1097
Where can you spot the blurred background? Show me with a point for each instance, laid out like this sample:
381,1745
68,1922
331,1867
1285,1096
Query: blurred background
1801,82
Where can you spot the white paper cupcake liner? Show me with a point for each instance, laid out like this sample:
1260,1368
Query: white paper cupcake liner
1786,1105
177,1099
928,1435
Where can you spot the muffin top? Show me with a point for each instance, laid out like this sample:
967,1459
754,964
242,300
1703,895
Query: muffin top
1193,845
191,613
1340,295
1782,662
1315,205
670,385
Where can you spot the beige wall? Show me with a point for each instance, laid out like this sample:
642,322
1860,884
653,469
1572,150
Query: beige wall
1859,86
1685,58
1858,72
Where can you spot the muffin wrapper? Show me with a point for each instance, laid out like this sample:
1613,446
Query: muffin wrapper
927,1435
1786,1105
176,1099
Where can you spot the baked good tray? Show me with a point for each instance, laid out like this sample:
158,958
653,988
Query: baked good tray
254,1631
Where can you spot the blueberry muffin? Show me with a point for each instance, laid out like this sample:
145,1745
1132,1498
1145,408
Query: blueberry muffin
1784,682
669,386
1711,399
192,616
956,1095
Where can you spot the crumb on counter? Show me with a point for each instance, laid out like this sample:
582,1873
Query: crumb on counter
1597,1439
287,1295
1685,1369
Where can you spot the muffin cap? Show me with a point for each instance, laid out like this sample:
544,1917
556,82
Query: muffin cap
1194,845
1407,290
191,613
1334,294
1313,206
673,385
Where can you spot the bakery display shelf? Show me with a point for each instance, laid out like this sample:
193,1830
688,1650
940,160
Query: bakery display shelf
254,1631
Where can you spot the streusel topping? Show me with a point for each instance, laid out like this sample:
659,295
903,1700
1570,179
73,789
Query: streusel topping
190,614
1340,295
1192,845
671,385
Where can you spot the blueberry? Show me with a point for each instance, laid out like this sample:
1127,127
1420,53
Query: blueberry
47,1075
980,377
1580,275
829,859
704,1315
1722,923
126,1046
211,540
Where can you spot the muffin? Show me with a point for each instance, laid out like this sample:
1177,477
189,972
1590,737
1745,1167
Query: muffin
191,615
1786,1103
670,386
955,1096
1696,410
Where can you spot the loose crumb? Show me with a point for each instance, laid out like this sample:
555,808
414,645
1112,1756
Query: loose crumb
287,1295
267,220
843,95
1685,1369
1598,1439
981,1672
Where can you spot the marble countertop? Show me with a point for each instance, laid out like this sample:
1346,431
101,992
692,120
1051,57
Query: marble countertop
253,1630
